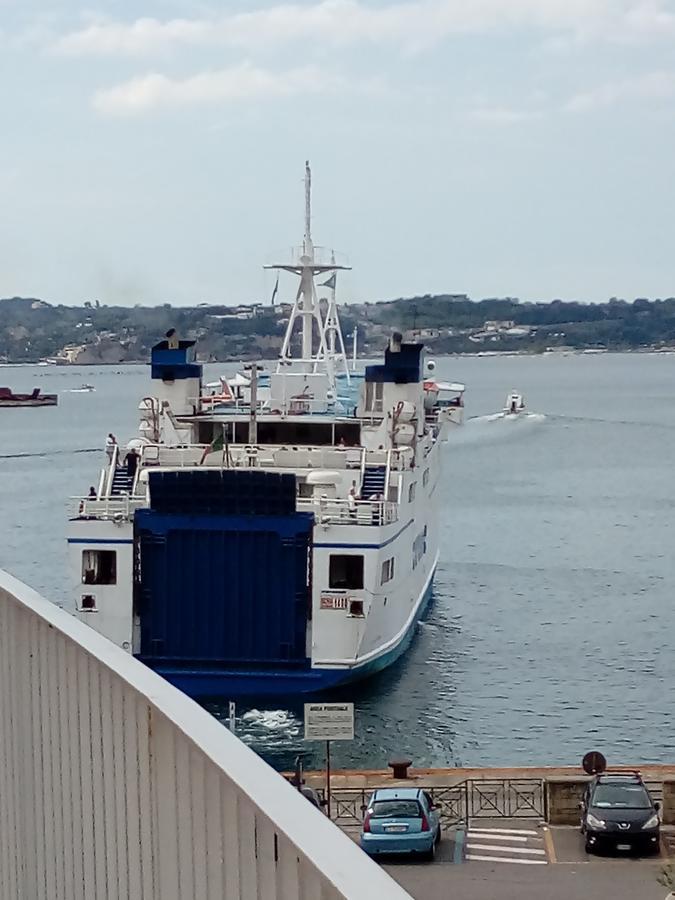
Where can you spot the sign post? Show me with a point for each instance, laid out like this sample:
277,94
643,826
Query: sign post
329,722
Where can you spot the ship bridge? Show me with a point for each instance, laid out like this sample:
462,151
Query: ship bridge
116,785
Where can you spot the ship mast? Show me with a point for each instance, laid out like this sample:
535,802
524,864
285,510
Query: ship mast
306,265
307,290
307,243
334,338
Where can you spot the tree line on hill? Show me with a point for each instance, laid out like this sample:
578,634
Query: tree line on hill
31,329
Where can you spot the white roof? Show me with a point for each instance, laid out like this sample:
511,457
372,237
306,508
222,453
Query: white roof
323,476
239,380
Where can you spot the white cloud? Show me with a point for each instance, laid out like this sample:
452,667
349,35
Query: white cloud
241,82
653,86
502,115
410,24
649,18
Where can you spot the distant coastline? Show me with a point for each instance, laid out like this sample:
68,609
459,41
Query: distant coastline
34,331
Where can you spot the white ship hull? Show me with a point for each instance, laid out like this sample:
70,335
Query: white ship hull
261,542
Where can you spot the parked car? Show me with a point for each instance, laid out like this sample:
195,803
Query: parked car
618,813
401,820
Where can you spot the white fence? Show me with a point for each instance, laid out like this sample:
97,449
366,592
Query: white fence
113,784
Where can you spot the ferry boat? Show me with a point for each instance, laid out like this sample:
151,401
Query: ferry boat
276,548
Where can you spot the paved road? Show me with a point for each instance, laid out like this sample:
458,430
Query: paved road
612,880
517,861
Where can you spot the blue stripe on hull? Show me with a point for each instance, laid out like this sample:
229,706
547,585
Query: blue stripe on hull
273,682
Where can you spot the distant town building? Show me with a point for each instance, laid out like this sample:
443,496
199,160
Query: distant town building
496,325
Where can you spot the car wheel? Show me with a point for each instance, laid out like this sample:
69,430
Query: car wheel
430,855
587,847
438,835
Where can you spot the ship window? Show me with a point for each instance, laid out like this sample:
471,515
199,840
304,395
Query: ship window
387,570
374,396
425,478
88,602
419,547
356,608
99,567
345,572
411,492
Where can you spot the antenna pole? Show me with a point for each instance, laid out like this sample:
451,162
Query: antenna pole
307,288
308,248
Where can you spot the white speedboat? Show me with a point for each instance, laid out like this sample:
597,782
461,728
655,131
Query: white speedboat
515,405
83,389
278,550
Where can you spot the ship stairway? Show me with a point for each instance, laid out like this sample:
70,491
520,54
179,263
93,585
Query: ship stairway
374,479
121,483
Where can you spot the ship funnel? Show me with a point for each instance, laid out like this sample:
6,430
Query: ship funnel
172,339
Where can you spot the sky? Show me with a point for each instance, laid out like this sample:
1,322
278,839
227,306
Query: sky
152,151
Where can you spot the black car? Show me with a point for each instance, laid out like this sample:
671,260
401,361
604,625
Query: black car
618,813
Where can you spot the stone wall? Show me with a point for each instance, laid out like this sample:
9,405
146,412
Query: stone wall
668,809
563,796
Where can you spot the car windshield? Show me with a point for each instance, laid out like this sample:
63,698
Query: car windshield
387,809
625,796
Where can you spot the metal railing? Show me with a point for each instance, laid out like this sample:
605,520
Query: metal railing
344,512
513,798
111,471
115,784
276,456
118,507
247,455
387,476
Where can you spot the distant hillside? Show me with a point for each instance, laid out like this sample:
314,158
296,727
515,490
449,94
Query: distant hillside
32,329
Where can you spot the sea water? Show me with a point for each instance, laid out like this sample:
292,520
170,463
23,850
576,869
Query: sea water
552,627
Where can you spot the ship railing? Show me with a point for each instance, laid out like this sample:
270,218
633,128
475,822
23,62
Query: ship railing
253,455
214,405
119,507
273,456
295,256
330,511
218,404
114,781
110,475
387,474
396,458
102,482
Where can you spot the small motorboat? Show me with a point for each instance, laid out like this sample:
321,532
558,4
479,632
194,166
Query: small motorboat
514,404
83,389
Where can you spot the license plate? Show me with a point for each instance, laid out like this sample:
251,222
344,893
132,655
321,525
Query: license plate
623,846
395,828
